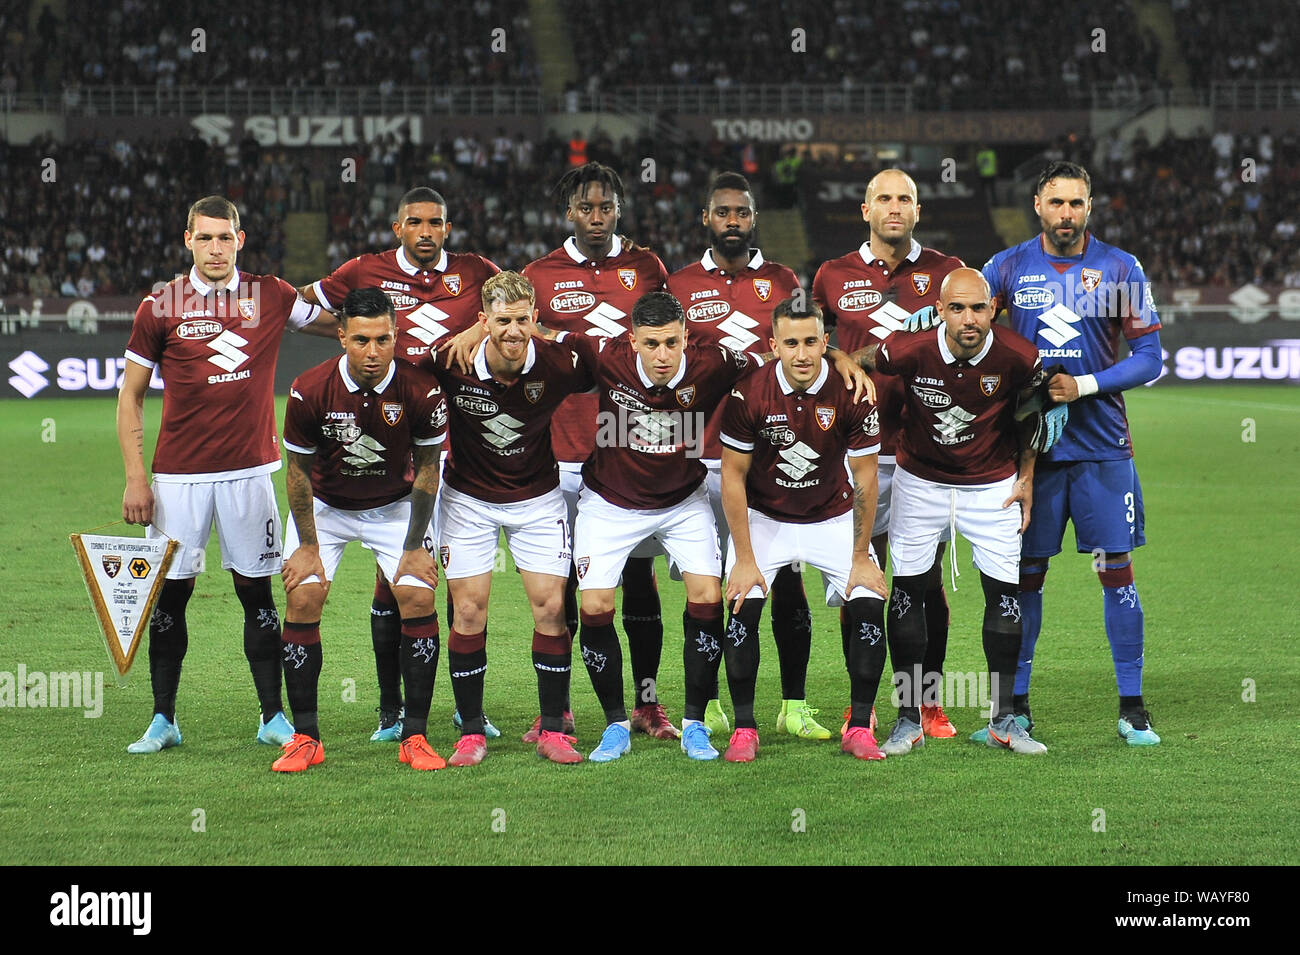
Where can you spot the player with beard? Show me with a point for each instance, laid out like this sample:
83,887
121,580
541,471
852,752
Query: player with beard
866,295
728,297
436,296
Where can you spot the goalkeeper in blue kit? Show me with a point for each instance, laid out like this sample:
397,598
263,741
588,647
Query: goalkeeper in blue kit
1074,296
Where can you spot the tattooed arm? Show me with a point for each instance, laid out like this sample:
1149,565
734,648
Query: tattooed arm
137,501
305,561
864,572
416,560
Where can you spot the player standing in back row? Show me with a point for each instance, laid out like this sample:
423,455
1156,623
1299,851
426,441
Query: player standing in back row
588,286
214,336
728,297
1074,296
866,295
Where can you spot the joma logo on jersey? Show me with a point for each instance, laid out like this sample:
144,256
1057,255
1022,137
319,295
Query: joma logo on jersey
452,283
392,411
705,293
628,278
704,311
396,286
480,407
197,330
859,301
572,302
931,398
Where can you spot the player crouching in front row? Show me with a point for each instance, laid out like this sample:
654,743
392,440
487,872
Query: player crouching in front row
785,433
353,427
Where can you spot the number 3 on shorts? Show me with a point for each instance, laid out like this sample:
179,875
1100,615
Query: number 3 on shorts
1129,515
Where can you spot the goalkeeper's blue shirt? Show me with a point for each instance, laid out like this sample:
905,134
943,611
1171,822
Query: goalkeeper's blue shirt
1074,309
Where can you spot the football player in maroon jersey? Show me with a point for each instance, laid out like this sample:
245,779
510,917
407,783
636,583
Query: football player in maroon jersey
214,335
786,431
501,474
867,294
964,464
357,428
436,295
588,286
728,297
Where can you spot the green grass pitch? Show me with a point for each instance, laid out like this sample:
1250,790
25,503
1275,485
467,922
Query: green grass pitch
1219,466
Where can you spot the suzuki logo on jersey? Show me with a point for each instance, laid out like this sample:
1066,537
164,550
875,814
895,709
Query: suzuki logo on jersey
572,302
605,321
763,289
921,282
1056,325
392,411
859,301
427,323
1033,297
736,328
952,423
628,278
1091,278
825,417
363,452
452,283
500,431
228,356
798,462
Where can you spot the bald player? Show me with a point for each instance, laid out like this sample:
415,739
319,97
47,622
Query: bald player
964,462
866,295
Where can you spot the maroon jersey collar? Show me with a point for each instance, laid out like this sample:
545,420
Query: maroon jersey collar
950,359
407,266
571,247
672,382
756,260
787,388
353,387
864,250
485,373
203,288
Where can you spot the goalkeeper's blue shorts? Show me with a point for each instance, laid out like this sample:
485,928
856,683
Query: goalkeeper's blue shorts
1102,498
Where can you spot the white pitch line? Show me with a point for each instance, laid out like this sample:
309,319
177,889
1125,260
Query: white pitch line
1222,401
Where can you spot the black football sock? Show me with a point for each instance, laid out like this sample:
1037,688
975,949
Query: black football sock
553,662
741,651
845,629
701,655
169,638
936,633
262,642
420,650
467,658
386,639
1001,639
866,655
792,631
906,638
644,626
604,659
302,664
571,619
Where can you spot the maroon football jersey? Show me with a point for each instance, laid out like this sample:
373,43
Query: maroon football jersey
798,440
363,438
731,310
216,351
649,437
959,425
430,303
865,303
589,297
501,433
